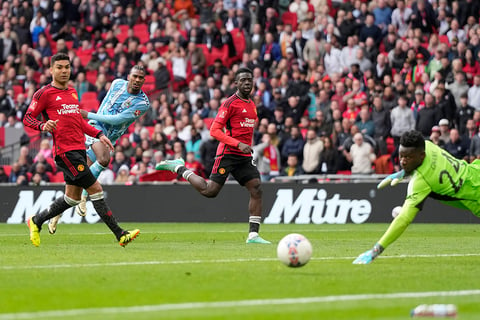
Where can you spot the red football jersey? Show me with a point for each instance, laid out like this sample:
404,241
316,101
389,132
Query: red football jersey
238,117
61,105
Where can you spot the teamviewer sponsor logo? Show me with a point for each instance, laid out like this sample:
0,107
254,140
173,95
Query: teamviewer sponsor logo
313,206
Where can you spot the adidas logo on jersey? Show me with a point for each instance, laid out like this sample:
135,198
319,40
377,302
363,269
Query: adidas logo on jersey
244,110
58,98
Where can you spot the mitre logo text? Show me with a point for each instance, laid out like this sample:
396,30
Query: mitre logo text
27,206
314,206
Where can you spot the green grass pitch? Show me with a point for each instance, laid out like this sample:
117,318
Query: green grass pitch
206,271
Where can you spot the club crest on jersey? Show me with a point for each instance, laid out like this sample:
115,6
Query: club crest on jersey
33,105
137,113
80,167
223,114
221,170
74,95
127,104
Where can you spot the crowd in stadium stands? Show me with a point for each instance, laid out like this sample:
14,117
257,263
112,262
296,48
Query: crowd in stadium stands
336,82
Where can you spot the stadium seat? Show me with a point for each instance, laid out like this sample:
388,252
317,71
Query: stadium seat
149,79
239,43
290,18
17,89
57,177
221,54
141,31
7,168
158,176
69,44
122,33
444,39
89,95
176,85
84,58
91,76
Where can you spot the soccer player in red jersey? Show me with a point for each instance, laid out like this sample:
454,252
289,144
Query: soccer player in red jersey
237,116
59,106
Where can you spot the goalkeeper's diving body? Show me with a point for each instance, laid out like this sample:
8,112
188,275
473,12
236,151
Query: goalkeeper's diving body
434,173
124,103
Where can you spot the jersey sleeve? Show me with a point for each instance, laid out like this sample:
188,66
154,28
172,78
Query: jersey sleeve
34,109
217,132
418,191
218,124
128,115
89,130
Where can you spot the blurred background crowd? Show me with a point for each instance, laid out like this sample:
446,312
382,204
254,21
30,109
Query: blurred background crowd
336,82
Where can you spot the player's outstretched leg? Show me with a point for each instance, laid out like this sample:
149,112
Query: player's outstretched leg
124,237
170,165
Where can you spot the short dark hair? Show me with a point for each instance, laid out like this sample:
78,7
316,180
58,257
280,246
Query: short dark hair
413,139
59,57
138,67
243,70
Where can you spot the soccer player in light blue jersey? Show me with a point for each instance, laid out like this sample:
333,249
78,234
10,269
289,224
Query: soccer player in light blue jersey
124,103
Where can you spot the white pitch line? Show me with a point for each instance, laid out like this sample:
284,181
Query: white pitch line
200,261
232,304
174,232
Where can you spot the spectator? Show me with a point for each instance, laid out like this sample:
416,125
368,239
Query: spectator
456,146
311,152
122,175
428,116
370,29
361,155
293,145
473,93
119,160
400,18
381,121
443,124
423,17
464,113
402,120
365,124
292,167
457,88
328,157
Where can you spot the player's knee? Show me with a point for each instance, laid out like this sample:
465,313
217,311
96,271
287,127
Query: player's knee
210,193
103,161
256,191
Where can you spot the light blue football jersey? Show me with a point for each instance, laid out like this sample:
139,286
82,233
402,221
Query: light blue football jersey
119,109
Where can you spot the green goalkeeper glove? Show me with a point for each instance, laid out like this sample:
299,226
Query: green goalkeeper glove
370,255
392,179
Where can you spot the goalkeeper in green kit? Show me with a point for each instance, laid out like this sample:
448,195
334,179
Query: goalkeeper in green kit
434,173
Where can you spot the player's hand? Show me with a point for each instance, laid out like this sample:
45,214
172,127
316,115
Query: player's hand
84,113
245,148
103,139
50,126
392,179
369,256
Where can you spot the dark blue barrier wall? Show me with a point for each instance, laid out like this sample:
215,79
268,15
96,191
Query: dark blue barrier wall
283,203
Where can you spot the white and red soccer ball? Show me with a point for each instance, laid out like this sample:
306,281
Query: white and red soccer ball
294,250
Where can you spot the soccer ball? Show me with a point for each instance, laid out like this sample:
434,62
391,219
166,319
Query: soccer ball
294,250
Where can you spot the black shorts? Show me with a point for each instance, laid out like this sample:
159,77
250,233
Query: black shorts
75,169
242,169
